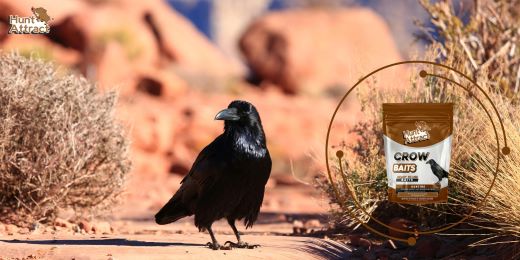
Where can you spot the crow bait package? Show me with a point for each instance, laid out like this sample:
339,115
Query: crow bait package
417,139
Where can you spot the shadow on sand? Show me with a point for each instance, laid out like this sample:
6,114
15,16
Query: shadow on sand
97,242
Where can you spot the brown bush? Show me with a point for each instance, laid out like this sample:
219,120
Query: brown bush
484,46
60,145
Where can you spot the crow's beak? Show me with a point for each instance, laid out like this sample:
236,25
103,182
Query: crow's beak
228,114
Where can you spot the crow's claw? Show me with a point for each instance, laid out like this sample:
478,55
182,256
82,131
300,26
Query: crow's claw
241,245
217,246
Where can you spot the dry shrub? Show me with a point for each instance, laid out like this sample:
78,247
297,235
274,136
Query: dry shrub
474,143
364,162
474,171
60,146
486,45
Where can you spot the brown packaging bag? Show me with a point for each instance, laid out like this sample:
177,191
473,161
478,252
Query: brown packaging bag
417,139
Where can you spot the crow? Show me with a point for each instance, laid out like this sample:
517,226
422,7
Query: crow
437,170
227,180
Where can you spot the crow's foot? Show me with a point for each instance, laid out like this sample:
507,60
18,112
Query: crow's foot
217,246
241,245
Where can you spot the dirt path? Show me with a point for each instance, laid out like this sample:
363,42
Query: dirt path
136,236
171,247
177,241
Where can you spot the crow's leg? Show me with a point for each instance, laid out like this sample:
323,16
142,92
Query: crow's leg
240,243
214,243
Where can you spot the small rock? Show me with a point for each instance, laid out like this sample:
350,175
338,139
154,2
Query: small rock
357,240
297,224
312,223
402,224
102,228
85,225
62,223
298,227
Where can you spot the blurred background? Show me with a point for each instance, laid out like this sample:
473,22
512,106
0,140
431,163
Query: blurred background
177,63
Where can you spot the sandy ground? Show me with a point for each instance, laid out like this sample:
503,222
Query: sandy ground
173,246
136,236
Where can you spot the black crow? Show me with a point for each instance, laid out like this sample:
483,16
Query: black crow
227,179
437,170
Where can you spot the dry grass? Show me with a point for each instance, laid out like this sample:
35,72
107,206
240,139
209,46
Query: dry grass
474,143
501,212
482,40
60,146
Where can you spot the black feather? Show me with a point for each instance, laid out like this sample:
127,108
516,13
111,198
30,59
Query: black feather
228,177
437,169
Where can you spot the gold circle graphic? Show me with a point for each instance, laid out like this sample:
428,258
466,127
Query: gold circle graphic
505,150
411,241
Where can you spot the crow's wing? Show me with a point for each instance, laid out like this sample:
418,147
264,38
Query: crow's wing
439,171
203,169
204,173
252,201
443,173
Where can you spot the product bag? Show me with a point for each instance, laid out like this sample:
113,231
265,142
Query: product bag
417,139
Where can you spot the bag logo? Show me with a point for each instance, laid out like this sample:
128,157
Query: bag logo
37,24
421,133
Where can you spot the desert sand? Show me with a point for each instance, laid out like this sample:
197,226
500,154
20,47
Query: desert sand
134,234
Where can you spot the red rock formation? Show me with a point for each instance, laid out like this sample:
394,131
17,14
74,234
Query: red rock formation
315,50
40,46
123,42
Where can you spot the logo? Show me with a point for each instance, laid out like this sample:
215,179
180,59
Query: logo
421,133
37,24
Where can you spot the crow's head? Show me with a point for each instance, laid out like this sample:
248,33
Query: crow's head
239,113
431,162
243,126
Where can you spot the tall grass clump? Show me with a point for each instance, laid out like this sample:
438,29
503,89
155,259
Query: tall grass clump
484,45
60,146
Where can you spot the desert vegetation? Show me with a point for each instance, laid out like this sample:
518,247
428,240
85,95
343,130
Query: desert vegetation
483,43
61,147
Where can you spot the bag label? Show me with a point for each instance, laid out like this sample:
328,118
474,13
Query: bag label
417,144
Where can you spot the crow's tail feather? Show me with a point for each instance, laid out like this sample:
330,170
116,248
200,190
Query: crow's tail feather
171,212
